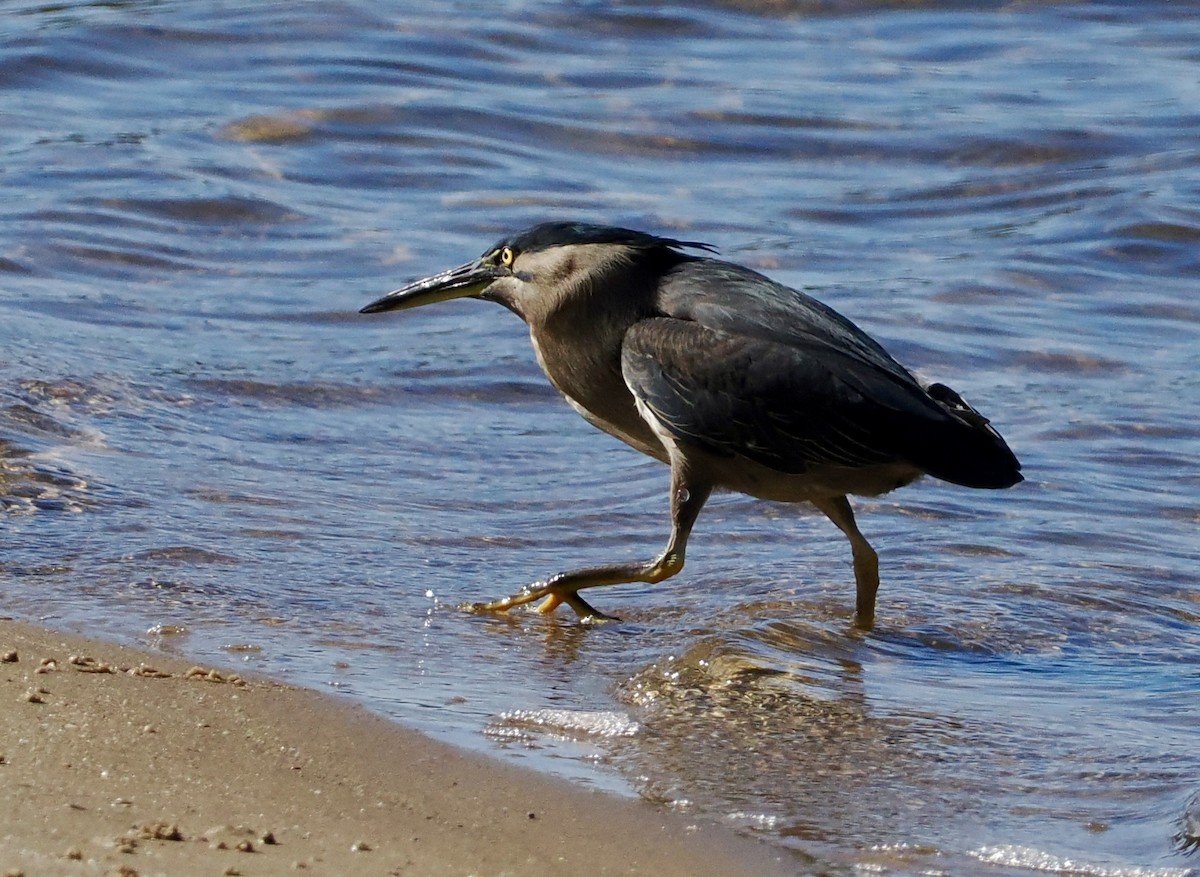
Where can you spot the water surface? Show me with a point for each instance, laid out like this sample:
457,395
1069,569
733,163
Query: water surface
204,448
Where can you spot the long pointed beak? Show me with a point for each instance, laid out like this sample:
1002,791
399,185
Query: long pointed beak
461,282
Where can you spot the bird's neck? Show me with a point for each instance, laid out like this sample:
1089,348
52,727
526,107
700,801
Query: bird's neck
578,346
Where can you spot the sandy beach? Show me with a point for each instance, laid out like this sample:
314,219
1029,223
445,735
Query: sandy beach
120,762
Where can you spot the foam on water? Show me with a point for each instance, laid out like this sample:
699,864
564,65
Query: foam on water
1030,859
573,723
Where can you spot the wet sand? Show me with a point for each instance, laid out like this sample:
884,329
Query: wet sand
116,761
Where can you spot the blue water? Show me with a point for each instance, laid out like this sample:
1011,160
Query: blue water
204,448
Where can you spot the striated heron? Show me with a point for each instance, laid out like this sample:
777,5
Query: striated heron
735,381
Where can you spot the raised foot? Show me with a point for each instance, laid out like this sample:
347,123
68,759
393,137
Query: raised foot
553,599
582,607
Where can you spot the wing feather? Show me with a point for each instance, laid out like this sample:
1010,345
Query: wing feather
744,366
789,407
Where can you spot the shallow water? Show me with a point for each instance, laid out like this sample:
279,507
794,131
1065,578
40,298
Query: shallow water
204,448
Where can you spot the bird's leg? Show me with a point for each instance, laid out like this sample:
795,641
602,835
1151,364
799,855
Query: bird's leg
688,496
866,561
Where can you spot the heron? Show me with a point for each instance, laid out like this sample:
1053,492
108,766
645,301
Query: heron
738,383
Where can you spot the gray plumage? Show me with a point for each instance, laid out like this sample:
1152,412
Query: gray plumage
734,380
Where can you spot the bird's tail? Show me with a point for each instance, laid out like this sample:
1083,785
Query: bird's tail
969,453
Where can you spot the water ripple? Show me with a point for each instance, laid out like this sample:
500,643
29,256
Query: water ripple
198,431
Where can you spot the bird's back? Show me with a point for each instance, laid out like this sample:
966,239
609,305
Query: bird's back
779,378
733,298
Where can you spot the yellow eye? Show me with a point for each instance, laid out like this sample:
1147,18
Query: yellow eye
506,257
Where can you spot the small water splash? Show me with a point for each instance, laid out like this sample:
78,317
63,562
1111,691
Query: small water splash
29,485
756,821
1187,839
1031,859
570,724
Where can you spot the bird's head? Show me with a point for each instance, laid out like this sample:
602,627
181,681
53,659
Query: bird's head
532,271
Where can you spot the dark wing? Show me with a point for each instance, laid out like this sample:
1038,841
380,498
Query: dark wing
787,407
735,299
745,366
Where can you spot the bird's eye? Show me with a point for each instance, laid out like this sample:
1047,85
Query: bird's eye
506,257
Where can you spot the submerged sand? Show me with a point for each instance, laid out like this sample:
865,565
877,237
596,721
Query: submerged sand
120,762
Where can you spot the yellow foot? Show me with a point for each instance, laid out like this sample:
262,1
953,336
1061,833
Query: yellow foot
582,607
553,599
552,602
499,605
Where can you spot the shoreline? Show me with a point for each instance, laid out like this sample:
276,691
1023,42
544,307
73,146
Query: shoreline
116,760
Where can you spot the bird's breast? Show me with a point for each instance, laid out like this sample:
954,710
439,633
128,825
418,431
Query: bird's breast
590,380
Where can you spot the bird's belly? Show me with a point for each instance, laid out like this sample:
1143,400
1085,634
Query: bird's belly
745,476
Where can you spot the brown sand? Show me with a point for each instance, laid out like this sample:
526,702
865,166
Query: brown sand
119,762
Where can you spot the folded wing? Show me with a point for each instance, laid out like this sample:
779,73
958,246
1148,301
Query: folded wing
742,366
